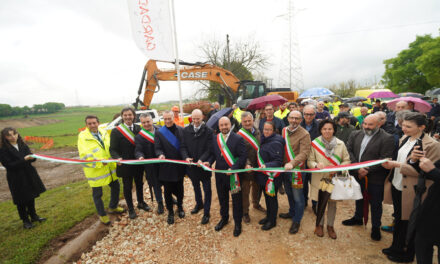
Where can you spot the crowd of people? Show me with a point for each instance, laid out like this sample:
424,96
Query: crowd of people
293,136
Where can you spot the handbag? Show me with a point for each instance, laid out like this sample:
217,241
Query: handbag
346,188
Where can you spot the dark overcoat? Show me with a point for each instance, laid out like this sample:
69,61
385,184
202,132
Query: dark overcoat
237,147
198,146
272,153
23,180
121,147
169,172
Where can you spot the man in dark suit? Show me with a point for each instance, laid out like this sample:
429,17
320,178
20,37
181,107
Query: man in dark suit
122,146
168,143
144,141
223,143
392,125
370,143
197,137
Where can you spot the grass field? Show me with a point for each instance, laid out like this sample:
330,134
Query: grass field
63,207
65,133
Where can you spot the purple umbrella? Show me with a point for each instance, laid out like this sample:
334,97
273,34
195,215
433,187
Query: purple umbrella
383,94
419,104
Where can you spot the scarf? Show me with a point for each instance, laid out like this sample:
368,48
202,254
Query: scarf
329,145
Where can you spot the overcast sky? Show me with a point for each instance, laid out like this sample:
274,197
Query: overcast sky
82,52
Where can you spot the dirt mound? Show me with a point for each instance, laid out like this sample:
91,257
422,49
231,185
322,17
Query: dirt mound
26,122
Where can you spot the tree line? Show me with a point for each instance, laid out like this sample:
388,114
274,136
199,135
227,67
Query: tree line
49,107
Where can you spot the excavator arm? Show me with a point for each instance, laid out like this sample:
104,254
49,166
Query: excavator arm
194,72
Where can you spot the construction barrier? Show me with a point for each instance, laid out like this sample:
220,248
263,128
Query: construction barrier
48,142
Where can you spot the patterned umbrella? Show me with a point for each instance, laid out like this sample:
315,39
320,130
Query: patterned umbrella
384,94
419,104
316,92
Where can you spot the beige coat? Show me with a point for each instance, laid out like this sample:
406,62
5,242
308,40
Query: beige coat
315,157
300,141
410,176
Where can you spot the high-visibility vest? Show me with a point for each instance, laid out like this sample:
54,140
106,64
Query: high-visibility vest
98,174
237,114
280,114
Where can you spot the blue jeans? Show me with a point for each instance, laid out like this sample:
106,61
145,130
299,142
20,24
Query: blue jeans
295,198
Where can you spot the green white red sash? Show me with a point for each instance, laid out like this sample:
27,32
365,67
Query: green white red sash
320,147
147,135
230,159
270,187
126,132
296,176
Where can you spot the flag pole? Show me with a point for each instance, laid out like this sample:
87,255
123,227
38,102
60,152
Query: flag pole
176,54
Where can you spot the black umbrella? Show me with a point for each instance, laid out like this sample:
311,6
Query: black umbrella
355,99
213,120
325,191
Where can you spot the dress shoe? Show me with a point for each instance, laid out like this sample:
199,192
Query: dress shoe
132,214
268,225
170,218
160,208
144,207
285,215
246,218
392,251
294,228
331,232
196,209
259,208
27,224
205,219
263,221
220,225
352,221
104,219
37,218
117,210
319,231
375,234
237,230
400,258
181,213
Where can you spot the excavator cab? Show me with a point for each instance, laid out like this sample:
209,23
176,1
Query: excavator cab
251,90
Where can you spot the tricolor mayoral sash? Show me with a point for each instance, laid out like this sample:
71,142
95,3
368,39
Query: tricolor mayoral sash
296,176
147,135
270,187
320,147
126,132
230,159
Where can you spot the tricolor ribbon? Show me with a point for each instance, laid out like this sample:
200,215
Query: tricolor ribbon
353,166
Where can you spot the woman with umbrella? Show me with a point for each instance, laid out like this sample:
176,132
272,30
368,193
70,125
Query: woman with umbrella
326,151
270,154
413,145
23,180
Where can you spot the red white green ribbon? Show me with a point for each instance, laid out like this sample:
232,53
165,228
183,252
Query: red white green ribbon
320,147
353,166
270,187
234,182
126,132
147,135
296,176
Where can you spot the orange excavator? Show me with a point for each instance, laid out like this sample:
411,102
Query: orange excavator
235,89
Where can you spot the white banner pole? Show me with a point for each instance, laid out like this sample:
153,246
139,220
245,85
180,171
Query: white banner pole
176,53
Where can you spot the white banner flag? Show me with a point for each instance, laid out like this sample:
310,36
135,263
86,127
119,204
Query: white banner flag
151,27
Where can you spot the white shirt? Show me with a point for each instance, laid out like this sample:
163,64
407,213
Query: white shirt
401,157
15,146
